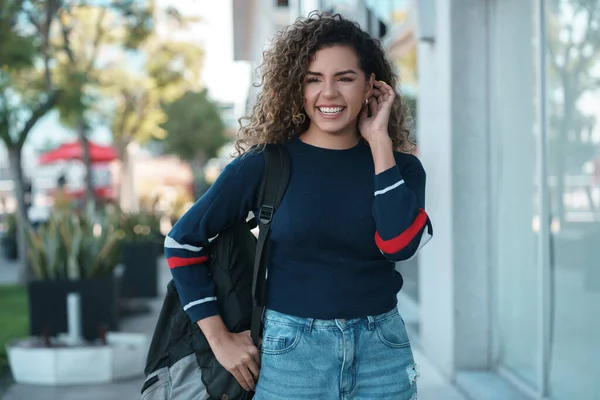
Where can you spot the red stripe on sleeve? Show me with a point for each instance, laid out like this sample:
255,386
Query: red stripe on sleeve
175,262
396,244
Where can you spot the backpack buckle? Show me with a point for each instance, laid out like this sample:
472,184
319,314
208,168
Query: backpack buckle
265,214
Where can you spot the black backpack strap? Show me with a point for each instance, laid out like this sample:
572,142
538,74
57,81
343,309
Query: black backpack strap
274,183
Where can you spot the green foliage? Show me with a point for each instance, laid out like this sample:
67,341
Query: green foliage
168,69
194,126
75,246
142,226
26,93
86,31
161,69
72,101
127,97
138,22
182,202
17,49
14,318
10,224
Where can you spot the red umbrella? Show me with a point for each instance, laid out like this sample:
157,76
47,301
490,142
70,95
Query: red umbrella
101,193
74,151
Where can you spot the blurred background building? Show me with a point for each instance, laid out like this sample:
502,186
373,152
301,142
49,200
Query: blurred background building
507,100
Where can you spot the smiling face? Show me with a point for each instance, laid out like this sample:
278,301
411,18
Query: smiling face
334,90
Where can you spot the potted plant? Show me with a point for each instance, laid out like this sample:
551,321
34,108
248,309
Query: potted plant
181,203
139,254
153,209
8,239
74,253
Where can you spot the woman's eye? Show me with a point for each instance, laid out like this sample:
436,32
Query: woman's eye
344,79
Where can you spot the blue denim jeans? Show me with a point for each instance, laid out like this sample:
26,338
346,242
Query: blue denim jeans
365,358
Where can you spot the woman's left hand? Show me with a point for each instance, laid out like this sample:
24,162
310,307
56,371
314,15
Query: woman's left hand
381,98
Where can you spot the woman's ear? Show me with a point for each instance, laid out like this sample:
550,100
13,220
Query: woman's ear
370,83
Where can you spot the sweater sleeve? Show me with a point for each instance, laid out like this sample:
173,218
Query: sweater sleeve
228,200
403,226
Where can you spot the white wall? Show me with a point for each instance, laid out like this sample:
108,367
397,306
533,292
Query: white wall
435,143
453,142
261,23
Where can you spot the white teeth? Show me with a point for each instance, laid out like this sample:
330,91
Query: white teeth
331,110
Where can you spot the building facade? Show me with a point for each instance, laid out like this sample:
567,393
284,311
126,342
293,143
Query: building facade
508,127
509,131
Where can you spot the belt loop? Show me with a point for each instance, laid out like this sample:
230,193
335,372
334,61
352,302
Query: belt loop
370,322
308,324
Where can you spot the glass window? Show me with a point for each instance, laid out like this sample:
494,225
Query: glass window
515,197
573,140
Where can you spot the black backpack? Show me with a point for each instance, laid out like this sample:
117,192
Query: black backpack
240,292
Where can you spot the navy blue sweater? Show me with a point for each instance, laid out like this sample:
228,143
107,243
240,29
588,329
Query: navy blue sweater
334,240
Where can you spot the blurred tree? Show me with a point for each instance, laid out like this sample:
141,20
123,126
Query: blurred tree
87,31
574,47
27,90
195,131
45,64
135,85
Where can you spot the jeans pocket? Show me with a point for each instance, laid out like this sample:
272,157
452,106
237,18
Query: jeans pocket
279,338
392,332
156,386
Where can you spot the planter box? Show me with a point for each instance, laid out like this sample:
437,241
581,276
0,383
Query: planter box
122,358
99,305
140,278
160,244
9,247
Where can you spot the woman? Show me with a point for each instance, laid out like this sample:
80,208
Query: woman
353,207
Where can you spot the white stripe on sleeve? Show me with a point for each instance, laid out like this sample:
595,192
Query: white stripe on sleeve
170,243
392,187
196,302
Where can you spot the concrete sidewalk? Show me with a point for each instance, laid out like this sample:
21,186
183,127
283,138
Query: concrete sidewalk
432,385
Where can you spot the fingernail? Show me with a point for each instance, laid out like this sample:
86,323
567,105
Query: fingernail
383,82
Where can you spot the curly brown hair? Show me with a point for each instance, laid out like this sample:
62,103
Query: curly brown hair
278,114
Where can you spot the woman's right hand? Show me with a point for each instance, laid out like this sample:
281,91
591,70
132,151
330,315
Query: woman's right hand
237,353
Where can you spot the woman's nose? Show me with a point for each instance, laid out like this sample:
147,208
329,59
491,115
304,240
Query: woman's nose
329,89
